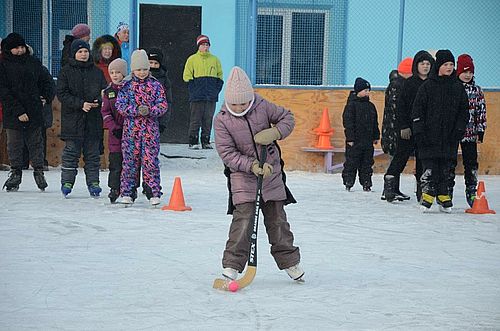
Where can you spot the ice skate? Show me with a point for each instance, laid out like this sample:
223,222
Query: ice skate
470,195
12,183
94,190
66,189
155,201
445,203
113,195
426,203
127,201
230,273
40,179
295,272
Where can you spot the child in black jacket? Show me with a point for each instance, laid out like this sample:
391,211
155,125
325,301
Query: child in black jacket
440,113
361,132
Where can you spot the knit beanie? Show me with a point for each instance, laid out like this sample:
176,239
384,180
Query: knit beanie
202,39
239,89
443,56
361,84
139,60
405,66
156,55
80,30
78,44
121,26
13,40
119,65
465,63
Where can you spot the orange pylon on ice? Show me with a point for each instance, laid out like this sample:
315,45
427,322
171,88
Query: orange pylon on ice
324,131
480,205
176,202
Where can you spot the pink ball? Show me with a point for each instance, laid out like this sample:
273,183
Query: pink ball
233,286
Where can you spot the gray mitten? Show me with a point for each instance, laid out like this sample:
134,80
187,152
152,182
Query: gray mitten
406,134
143,110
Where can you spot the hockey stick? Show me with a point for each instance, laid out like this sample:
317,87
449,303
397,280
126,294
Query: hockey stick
251,270
182,157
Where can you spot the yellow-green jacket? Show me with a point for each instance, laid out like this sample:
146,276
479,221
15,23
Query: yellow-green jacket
203,73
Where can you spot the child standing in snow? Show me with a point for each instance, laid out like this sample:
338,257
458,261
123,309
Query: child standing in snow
245,122
141,101
79,89
440,113
474,131
361,133
113,121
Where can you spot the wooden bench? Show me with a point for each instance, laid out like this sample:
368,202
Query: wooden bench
328,156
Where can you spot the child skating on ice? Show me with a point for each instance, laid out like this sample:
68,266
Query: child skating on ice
141,101
245,123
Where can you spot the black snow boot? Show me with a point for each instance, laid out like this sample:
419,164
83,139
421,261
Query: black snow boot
12,183
389,186
113,195
194,142
205,143
40,179
398,194
470,194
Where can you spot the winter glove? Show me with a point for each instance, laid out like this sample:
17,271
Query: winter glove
265,171
117,133
267,136
406,134
143,110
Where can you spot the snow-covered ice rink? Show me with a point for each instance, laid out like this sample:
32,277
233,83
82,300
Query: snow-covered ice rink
84,264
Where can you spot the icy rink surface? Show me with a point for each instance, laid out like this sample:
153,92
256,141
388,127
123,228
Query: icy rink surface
84,264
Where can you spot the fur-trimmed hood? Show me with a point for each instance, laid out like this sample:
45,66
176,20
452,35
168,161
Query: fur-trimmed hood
96,46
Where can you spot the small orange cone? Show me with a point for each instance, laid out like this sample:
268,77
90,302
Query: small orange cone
176,202
324,131
480,205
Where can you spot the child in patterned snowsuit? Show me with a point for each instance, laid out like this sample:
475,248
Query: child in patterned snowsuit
141,101
474,131
113,121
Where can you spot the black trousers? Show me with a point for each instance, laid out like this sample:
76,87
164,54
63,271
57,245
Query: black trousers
17,139
115,170
202,113
469,158
358,158
404,149
436,177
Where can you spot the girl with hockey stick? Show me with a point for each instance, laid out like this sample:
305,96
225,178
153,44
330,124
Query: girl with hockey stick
246,122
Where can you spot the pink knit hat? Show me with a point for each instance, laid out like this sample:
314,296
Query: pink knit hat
118,64
80,30
239,89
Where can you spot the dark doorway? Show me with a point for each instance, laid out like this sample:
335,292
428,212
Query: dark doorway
173,29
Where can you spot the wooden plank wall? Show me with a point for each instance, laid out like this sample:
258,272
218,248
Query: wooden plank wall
307,106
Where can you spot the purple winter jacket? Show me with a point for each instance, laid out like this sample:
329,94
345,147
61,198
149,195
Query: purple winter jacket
111,118
237,149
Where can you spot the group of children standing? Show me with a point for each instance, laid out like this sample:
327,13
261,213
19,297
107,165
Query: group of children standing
435,109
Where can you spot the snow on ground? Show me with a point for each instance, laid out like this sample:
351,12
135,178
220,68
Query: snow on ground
84,264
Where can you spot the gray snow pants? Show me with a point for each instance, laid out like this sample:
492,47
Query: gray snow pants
91,149
278,232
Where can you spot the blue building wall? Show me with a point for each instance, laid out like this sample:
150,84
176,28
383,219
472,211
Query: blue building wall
459,25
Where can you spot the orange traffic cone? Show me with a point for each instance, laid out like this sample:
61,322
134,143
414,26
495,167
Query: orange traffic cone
480,205
176,202
324,131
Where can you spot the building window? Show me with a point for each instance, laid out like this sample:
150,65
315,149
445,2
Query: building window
291,46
